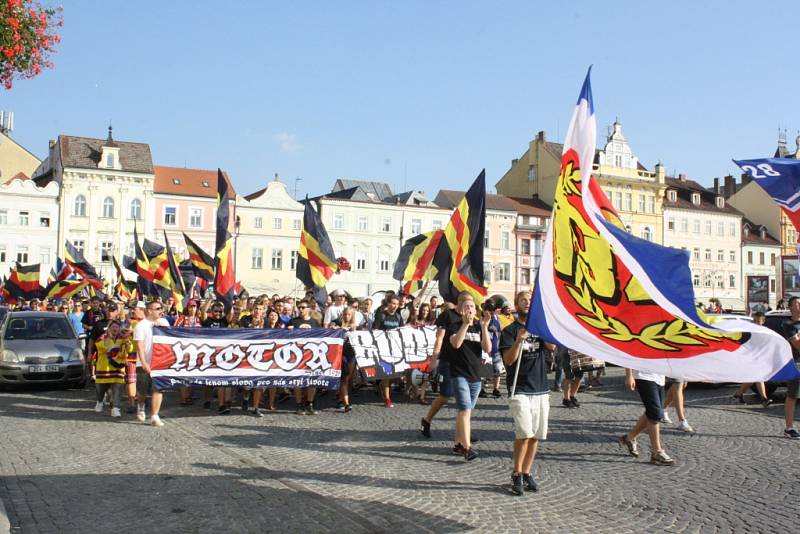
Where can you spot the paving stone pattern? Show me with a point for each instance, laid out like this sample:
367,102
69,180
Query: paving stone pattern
65,468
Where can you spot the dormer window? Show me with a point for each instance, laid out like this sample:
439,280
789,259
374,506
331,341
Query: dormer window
746,231
110,160
696,199
672,195
205,183
176,181
763,233
720,202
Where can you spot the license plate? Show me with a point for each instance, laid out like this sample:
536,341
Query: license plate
43,369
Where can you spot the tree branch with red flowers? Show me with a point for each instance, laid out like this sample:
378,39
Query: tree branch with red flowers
27,39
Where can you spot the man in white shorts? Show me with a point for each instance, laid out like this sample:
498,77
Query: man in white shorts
529,401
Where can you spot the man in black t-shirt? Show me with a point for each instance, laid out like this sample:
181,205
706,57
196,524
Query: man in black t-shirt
524,356
791,331
440,362
389,318
216,319
304,397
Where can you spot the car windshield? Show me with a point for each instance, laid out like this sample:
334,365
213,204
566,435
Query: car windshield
38,328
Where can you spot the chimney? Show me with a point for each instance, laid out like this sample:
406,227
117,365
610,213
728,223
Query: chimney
730,186
514,161
661,173
716,186
746,179
682,177
540,136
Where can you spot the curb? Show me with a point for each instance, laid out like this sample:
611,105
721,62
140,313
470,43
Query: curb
5,524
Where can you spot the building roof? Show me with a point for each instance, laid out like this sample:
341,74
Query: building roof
380,190
754,234
556,149
685,188
85,152
450,199
188,182
19,176
532,206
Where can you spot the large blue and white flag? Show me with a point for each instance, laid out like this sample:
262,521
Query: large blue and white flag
603,292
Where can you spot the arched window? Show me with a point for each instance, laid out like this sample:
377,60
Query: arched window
79,209
108,208
647,234
136,209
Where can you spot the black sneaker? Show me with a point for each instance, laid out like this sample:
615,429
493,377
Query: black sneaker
425,428
496,394
567,403
245,404
482,394
530,483
348,408
766,403
575,403
791,433
340,407
310,409
516,485
257,413
224,409
458,449
301,410
470,454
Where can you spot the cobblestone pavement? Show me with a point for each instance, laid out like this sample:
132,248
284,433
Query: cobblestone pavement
65,468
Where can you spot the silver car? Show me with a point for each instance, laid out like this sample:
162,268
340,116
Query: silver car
40,348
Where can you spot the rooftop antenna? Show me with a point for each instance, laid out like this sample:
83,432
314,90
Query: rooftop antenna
297,180
405,176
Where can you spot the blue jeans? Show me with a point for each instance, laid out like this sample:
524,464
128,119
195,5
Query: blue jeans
445,383
466,392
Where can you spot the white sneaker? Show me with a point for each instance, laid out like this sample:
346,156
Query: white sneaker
115,412
666,418
685,426
98,407
141,417
156,421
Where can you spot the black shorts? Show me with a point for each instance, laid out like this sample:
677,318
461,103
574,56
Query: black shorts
569,372
652,396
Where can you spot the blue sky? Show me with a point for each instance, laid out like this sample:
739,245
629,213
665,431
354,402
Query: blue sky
422,95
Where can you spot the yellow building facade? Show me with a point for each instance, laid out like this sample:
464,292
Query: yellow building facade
15,159
636,193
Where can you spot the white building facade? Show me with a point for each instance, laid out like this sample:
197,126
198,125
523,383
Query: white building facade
106,189
701,223
29,223
761,254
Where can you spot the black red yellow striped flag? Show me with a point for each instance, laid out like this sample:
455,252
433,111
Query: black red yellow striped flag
174,276
224,273
415,261
83,268
316,261
202,262
23,282
64,289
459,257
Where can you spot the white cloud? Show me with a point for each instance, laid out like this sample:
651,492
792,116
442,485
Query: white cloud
287,142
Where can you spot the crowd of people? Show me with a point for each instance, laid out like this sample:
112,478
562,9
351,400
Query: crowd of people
119,345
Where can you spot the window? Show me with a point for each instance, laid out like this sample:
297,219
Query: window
696,226
772,259
110,160
338,221
106,250
383,263
696,254
732,257
696,199
761,258
608,195
361,261
671,224
44,220
505,240
696,280
531,173
707,279
628,206
720,228
437,225
791,236
386,224
525,246
79,207
486,238
651,204
647,234
195,217
277,259
708,254
136,209
628,228
708,227
749,257
296,224
257,258
108,208
672,195
24,218
170,215
293,260
503,272
258,222
3,216
721,281
487,272
525,277
641,203
363,223
731,281
771,281
732,229
685,226
416,226
79,245
44,255
618,200
720,255
22,254
2,253
721,204
277,223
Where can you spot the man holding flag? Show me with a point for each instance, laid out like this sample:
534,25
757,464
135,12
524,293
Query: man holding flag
224,274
